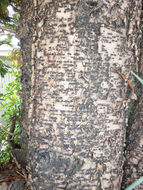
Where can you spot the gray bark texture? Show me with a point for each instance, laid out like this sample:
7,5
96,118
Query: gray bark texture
17,185
134,152
75,104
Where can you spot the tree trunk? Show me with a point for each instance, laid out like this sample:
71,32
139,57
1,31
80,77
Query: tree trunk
75,103
133,165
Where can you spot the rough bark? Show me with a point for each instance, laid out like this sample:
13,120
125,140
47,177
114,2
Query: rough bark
73,107
17,185
25,35
133,166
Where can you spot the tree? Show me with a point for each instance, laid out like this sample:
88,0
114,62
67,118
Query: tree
74,101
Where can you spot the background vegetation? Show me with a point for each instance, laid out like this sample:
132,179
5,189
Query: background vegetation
10,105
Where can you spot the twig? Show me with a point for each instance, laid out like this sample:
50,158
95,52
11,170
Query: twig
8,29
129,83
2,128
132,94
12,134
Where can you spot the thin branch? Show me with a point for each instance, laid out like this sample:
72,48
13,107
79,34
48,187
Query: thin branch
11,134
2,128
8,29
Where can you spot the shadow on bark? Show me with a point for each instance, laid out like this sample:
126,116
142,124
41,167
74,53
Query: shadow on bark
133,166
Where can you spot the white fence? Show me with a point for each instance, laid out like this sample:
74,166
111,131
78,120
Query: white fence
5,80
4,51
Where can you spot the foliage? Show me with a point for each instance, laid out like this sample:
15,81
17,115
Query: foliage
9,22
3,68
5,154
4,10
10,106
10,102
7,40
4,13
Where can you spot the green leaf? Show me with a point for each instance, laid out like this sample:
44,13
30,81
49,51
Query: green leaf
3,68
137,77
7,40
135,184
